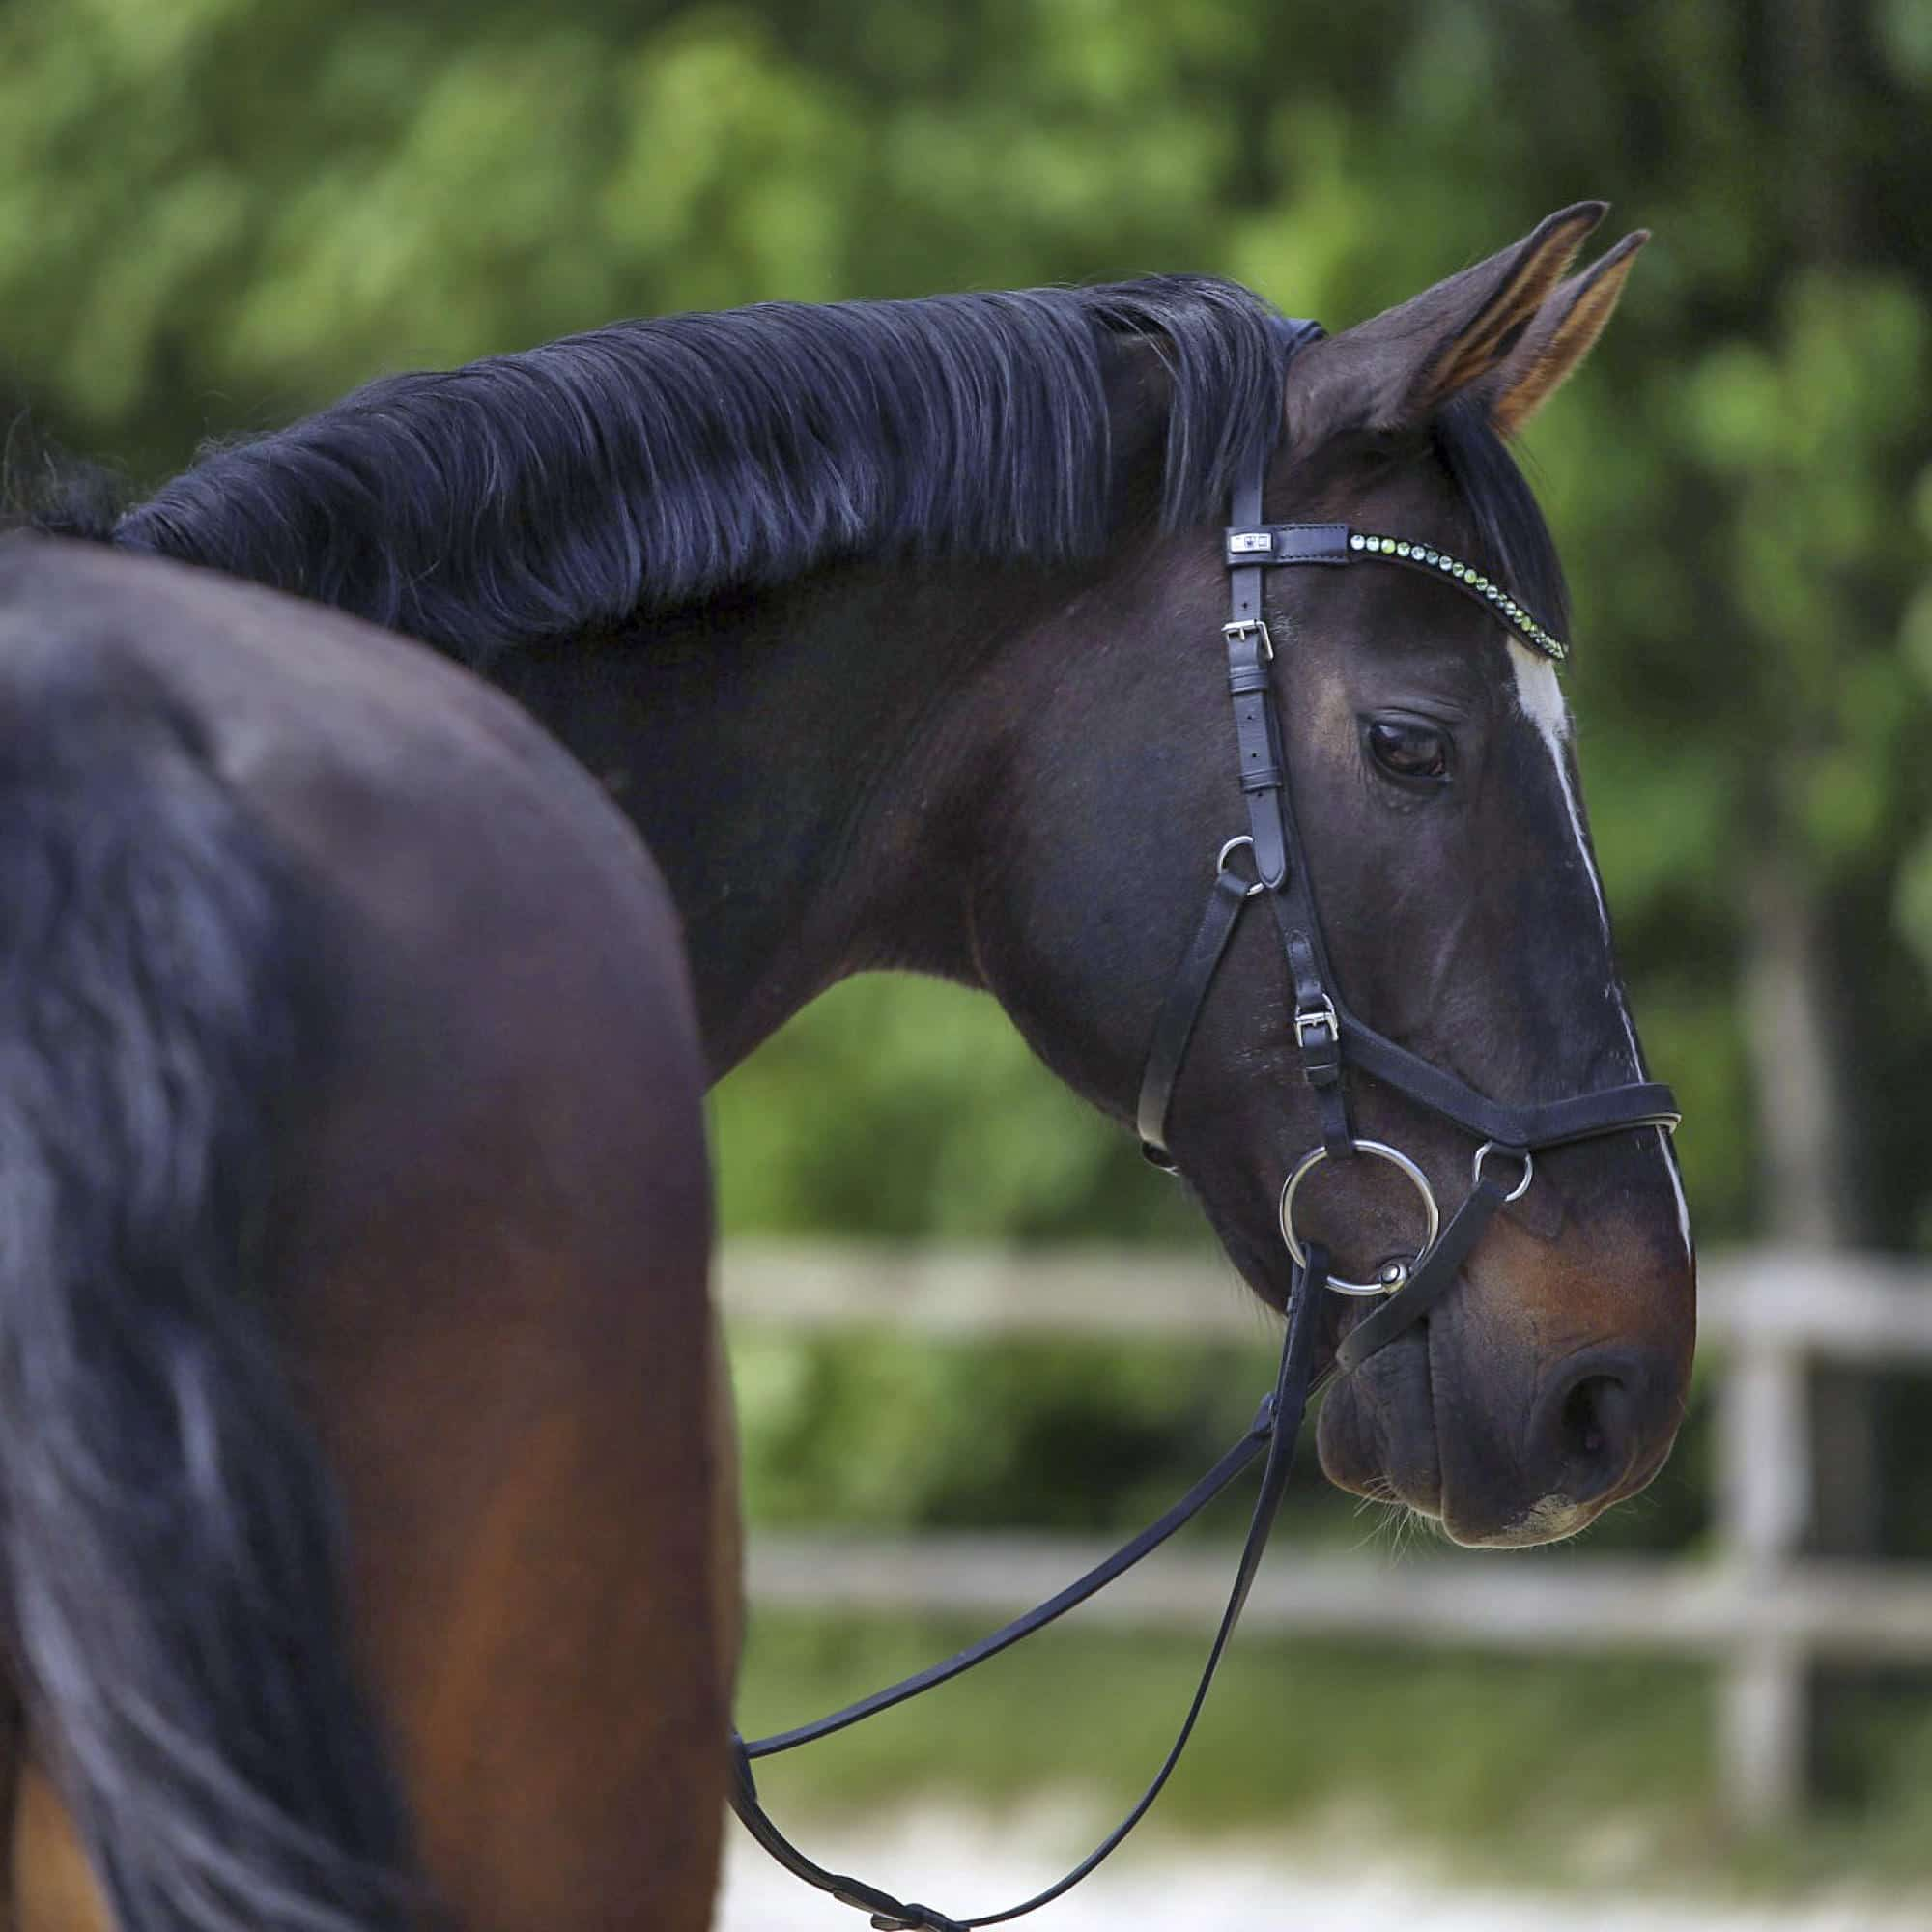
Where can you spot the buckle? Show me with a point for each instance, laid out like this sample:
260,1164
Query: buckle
1323,1015
1240,628
1318,1035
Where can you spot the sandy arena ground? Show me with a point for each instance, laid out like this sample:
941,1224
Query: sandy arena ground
965,1864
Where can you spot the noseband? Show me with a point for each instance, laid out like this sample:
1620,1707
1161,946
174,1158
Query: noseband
1328,1041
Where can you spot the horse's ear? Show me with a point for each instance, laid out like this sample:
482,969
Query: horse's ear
1397,369
1563,331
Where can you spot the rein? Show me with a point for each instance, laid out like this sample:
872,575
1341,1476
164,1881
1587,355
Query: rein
1276,1423
1328,1039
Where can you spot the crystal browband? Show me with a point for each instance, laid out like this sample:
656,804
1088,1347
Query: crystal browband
1337,542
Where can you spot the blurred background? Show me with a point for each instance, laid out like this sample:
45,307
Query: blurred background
217,214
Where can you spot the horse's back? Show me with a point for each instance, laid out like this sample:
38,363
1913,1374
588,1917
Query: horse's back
491,1239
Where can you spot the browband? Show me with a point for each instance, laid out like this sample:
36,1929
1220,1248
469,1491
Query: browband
1266,544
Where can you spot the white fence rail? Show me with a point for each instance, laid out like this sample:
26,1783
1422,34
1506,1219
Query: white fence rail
1758,1610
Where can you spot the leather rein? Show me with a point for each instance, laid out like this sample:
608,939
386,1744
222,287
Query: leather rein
1329,1040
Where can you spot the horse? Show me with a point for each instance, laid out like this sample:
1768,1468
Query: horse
365,1549
901,631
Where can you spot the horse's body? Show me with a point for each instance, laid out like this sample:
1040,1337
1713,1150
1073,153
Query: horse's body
353,1090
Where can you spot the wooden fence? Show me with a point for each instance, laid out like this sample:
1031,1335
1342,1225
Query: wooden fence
1758,1609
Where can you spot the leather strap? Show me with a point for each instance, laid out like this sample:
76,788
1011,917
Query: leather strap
1187,995
1250,672
1260,1433
1351,1041
886,1910
1317,1019
1262,767
1277,1424
1429,1281
1252,542
1643,1103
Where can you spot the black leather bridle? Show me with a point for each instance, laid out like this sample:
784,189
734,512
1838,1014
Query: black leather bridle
1329,1040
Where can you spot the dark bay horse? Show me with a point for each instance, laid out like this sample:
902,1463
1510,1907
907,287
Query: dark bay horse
358,1548
898,630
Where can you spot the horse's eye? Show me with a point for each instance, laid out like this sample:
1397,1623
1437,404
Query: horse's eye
1408,750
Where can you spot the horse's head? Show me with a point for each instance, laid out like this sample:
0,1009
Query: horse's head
1429,764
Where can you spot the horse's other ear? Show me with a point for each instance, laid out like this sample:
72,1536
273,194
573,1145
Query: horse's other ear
1564,330
1397,369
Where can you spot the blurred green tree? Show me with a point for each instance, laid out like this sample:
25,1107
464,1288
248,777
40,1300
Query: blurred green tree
217,212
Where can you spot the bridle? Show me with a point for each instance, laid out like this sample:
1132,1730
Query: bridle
1329,1040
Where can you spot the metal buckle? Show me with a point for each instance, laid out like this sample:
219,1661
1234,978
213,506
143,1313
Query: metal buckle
1240,628
1323,1015
1397,1274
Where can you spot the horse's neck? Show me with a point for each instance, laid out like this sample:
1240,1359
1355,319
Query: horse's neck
812,769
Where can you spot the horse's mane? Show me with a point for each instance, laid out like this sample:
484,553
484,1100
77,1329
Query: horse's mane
649,464
652,464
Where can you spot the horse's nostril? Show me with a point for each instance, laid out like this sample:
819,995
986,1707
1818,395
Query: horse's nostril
1586,1427
1593,1428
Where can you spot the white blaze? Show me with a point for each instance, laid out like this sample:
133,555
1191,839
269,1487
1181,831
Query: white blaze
1541,697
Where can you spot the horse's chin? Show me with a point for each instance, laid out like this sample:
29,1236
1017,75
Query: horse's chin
1376,1434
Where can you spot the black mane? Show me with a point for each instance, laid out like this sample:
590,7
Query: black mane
651,463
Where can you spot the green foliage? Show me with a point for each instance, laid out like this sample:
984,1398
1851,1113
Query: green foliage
888,1433
936,1121
217,212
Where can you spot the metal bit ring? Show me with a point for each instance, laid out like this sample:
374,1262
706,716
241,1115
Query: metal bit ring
1394,1276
